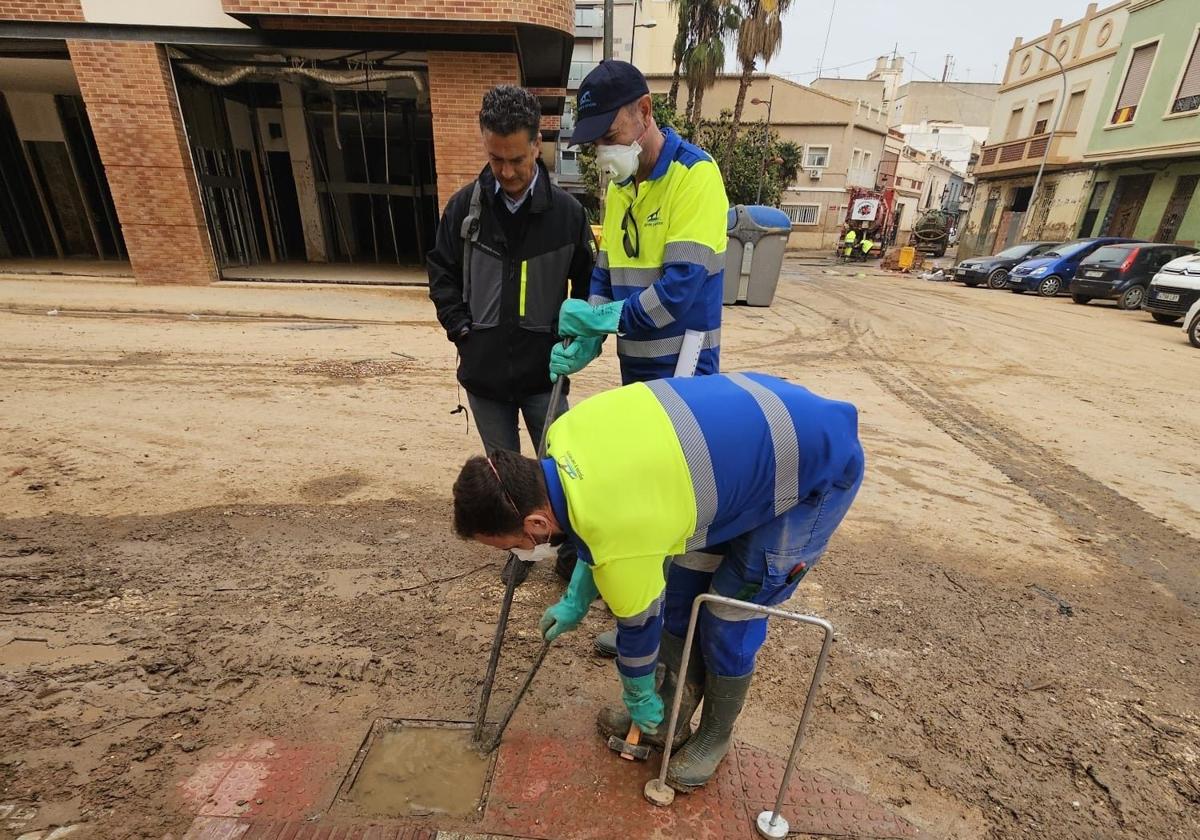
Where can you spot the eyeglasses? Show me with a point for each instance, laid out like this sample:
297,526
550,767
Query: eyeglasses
503,489
632,239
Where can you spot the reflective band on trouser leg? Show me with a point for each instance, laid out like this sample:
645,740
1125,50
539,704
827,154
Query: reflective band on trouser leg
783,440
637,640
695,453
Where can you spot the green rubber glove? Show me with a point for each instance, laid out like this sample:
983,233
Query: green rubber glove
643,702
579,318
572,607
574,357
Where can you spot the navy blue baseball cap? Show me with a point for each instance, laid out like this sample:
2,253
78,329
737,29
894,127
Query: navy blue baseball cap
608,88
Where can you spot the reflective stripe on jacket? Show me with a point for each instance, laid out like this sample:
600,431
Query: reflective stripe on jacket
660,468
672,278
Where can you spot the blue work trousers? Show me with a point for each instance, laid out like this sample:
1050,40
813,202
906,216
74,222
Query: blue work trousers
763,566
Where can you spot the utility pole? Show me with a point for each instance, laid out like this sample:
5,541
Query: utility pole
608,30
946,69
762,172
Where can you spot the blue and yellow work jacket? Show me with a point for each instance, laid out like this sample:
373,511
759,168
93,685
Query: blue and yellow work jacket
663,253
661,468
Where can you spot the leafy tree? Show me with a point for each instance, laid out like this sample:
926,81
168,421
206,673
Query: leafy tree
757,152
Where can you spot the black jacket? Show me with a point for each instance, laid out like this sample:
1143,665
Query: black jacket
505,353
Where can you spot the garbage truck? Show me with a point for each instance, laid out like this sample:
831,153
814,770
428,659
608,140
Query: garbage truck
869,215
931,233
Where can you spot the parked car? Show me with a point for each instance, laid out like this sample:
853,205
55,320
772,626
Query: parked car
1050,273
1191,324
994,270
1122,272
1174,291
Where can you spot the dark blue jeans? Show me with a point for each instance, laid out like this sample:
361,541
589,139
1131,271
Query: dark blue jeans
497,420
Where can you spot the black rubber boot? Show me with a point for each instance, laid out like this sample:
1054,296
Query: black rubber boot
606,643
695,764
615,720
515,566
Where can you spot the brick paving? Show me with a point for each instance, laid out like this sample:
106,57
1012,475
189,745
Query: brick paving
554,783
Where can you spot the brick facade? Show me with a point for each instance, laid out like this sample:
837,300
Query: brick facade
131,102
41,10
457,83
559,14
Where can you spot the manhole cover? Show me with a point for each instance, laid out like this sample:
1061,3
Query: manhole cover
417,768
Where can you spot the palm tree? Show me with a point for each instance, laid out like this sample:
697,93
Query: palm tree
759,35
679,51
710,24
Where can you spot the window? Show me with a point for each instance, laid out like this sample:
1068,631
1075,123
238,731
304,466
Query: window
1135,83
867,161
816,157
1041,117
1187,98
1014,123
589,17
856,159
1074,110
803,214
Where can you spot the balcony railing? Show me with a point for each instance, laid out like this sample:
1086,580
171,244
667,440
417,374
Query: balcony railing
1025,153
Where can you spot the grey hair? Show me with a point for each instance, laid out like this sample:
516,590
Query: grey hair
507,109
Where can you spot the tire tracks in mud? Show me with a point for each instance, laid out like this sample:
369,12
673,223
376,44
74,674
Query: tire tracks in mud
1114,526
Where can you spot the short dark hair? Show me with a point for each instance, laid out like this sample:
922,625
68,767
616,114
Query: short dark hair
507,109
494,497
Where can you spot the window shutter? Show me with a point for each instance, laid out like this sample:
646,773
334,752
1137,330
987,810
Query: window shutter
1135,79
1189,88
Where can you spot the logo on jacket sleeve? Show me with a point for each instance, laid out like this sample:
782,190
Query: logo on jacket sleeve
568,465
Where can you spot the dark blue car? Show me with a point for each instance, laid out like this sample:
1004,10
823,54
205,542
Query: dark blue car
1052,272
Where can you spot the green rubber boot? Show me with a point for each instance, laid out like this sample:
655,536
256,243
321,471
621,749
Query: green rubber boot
615,720
695,764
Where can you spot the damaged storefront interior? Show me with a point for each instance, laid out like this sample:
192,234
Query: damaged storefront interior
312,165
56,211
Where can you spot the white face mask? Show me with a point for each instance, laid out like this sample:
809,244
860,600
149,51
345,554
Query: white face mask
619,162
542,551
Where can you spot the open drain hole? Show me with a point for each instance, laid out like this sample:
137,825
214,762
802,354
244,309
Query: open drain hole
417,768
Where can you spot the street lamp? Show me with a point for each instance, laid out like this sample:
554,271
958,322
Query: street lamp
762,172
1037,182
650,24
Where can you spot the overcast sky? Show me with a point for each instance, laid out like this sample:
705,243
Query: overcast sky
978,33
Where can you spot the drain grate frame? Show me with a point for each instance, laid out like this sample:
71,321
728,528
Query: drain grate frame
342,800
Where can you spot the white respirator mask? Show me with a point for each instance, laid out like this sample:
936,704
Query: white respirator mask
619,162
543,551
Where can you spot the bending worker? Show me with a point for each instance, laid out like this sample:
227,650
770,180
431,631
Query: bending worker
753,468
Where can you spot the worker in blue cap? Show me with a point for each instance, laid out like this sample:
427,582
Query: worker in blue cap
659,276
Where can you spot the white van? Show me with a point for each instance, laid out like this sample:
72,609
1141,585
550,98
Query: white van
1174,293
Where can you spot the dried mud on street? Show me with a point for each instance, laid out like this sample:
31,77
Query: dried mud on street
220,528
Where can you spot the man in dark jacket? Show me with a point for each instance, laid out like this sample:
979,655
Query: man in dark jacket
506,248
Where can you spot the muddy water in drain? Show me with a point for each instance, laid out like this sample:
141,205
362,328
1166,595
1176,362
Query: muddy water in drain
416,772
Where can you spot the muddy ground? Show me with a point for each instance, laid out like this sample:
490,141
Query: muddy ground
219,527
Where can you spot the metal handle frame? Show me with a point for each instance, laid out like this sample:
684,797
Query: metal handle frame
770,824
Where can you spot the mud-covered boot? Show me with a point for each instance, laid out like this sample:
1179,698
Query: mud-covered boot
615,720
695,764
